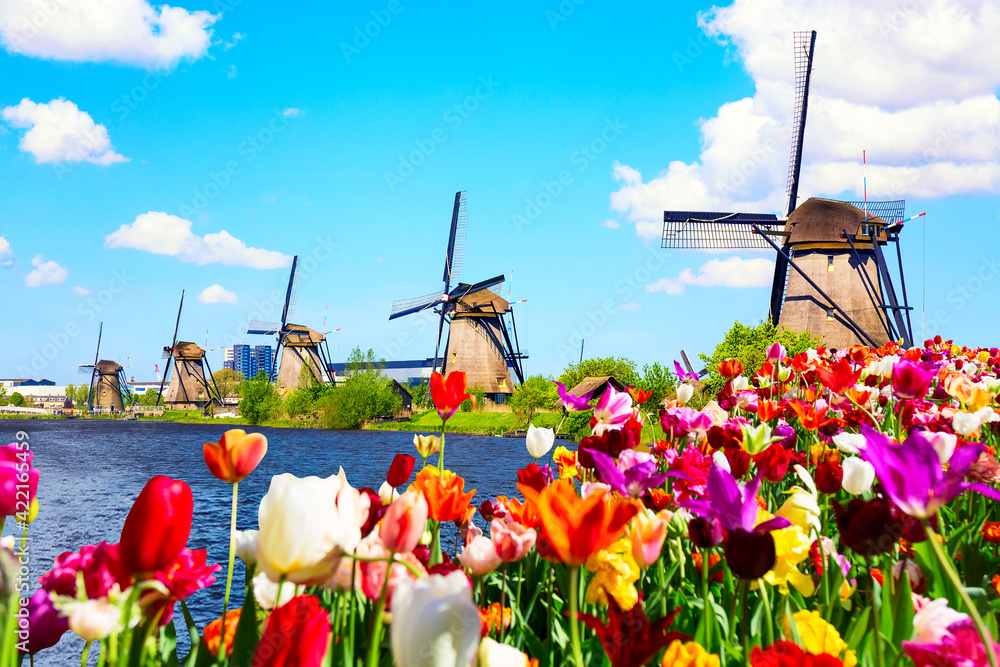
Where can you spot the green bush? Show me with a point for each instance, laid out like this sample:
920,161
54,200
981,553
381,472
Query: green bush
749,345
622,369
365,394
16,399
535,393
260,400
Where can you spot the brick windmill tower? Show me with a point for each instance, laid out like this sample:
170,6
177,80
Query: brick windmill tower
108,387
190,388
478,339
300,346
830,276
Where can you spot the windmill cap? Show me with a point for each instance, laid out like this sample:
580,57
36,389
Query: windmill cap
297,334
107,366
822,221
188,350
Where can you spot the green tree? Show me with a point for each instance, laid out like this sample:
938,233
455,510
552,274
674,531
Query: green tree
622,369
366,393
3,395
16,399
660,381
148,397
535,393
260,400
419,392
749,344
228,381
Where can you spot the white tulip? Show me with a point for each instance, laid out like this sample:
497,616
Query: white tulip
943,443
434,622
886,364
849,443
246,546
265,591
965,423
719,459
539,441
94,619
386,493
306,525
986,415
930,624
494,654
859,475
684,393
740,384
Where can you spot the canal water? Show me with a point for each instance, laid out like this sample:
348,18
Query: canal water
92,470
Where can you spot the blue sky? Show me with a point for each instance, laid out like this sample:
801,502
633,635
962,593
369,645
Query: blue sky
288,131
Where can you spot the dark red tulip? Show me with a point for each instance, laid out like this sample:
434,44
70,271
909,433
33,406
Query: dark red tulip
705,533
158,525
739,461
376,510
295,634
611,442
535,476
400,469
750,555
829,478
868,528
773,463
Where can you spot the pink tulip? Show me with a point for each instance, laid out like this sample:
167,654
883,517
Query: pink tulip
647,535
404,522
912,380
373,573
18,480
776,353
614,407
512,541
479,557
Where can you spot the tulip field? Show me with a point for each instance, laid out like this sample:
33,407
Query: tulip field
828,509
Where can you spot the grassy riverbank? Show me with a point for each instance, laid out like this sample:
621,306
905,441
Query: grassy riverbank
484,423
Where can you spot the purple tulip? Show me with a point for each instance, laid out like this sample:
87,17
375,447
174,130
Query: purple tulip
571,402
912,475
776,353
632,475
679,422
46,623
735,508
683,375
912,380
614,407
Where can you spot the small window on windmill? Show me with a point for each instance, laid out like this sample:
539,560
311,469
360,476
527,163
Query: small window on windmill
502,383
829,314
454,355
829,263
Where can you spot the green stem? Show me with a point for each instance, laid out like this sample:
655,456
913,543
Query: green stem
86,652
232,560
706,617
663,593
549,626
503,592
435,556
375,641
768,612
517,599
745,626
574,622
876,619
277,595
946,565
441,450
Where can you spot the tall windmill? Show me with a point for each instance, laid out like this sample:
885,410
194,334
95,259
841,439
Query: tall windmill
108,386
190,387
300,346
478,340
830,273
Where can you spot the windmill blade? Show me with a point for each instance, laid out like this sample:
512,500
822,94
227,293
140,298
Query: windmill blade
93,369
292,293
263,328
709,230
456,240
466,290
415,305
805,46
97,354
892,211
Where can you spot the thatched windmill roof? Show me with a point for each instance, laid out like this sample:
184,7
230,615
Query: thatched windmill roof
297,334
105,366
483,298
188,350
821,220
598,385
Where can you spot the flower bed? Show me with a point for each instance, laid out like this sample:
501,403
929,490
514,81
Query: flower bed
826,509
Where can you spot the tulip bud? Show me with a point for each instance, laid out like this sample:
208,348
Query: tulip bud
94,620
427,445
246,546
740,384
479,556
858,477
386,493
235,455
776,353
784,374
539,441
158,525
684,393
647,534
404,522
705,533
399,471
494,654
513,541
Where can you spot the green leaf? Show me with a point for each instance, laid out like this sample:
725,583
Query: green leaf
168,646
902,612
247,634
857,629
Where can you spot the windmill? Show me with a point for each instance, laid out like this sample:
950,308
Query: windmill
189,386
111,391
478,340
830,273
300,346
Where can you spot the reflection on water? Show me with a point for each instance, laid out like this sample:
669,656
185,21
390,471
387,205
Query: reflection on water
91,471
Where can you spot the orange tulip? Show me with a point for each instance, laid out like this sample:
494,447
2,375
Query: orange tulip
647,534
444,493
235,455
524,513
577,527
768,410
730,368
213,632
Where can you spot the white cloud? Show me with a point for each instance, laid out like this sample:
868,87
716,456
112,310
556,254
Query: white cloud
165,234
729,272
45,273
217,294
232,73
631,305
6,254
60,132
80,291
237,37
913,84
293,112
610,223
132,32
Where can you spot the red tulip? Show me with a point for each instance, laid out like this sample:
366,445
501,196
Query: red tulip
295,635
399,470
773,463
730,368
449,393
158,525
235,455
829,477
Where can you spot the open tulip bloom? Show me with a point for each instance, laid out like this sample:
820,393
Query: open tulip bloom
799,507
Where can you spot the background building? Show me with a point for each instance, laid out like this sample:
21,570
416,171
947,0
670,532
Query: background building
250,360
262,361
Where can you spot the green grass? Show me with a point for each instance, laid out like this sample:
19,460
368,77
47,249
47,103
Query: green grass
486,423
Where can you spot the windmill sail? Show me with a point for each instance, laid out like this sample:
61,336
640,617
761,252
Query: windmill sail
456,240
